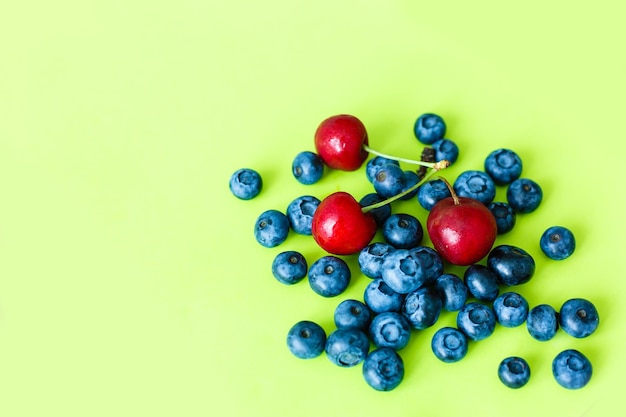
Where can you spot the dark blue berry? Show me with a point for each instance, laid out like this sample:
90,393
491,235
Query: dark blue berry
271,228
403,231
505,216
352,313
512,265
503,165
245,183
476,320
542,322
289,267
449,344
475,184
307,167
452,291
329,276
347,347
300,213
431,192
514,372
446,149
374,164
390,329
524,195
381,213
557,243
578,317
481,282
379,297
432,264
572,369
511,309
410,180
389,180
371,258
306,340
429,128
402,271
422,307
383,369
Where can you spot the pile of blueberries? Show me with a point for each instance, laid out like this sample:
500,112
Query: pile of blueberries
371,332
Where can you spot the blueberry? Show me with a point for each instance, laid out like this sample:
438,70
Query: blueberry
389,180
452,291
271,228
514,372
347,347
475,184
557,243
245,183
390,329
374,164
410,180
402,271
431,192
476,320
429,128
512,265
307,167
422,307
449,344
300,213
504,214
503,166
578,317
379,297
381,213
329,276
371,258
571,369
306,340
289,267
383,369
511,309
353,314
524,195
403,231
481,282
542,322
432,264
446,149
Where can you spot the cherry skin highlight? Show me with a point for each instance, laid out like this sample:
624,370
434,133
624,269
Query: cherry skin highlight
340,226
339,142
461,229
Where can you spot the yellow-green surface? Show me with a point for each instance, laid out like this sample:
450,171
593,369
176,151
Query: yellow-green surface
130,280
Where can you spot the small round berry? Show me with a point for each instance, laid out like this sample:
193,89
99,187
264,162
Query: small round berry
504,214
422,307
542,322
353,314
306,339
307,167
572,369
379,297
475,184
329,276
347,347
390,329
289,267
446,149
403,231
578,317
429,128
503,165
381,213
374,164
514,372
402,271
476,320
511,309
481,282
431,192
557,243
449,344
245,183
389,180
524,195
410,180
300,213
452,291
271,228
383,369
432,264
511,264
371,258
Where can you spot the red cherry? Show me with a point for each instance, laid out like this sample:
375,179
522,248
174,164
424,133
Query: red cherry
462,229
340,140
340,226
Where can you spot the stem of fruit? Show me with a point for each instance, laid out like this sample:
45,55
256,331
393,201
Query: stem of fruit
437,166
395,158
455,197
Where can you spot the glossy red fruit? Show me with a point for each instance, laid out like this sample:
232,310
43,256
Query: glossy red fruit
339,225
339,142
461,229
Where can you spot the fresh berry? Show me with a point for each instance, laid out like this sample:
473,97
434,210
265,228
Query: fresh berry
307,167
475,184
431,262
329,276
371,258
557,243
578,317
524,195
449,344
429,128
402,271
511,309
300,213
476,320
389,180
542,322
245,183
347,347
379,297
306,340
410,181
403,231
340,140
271,228
353,314
383,369
514,372
503,166
374,164
339,225
481,282
572,369
504,214
289,267
431,192
452,291
422,307
390,329
446,149
380,213
511,264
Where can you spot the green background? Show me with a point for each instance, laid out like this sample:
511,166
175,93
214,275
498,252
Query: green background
130,280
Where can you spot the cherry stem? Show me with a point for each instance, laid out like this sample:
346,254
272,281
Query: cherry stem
455,197
437,166
395,158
